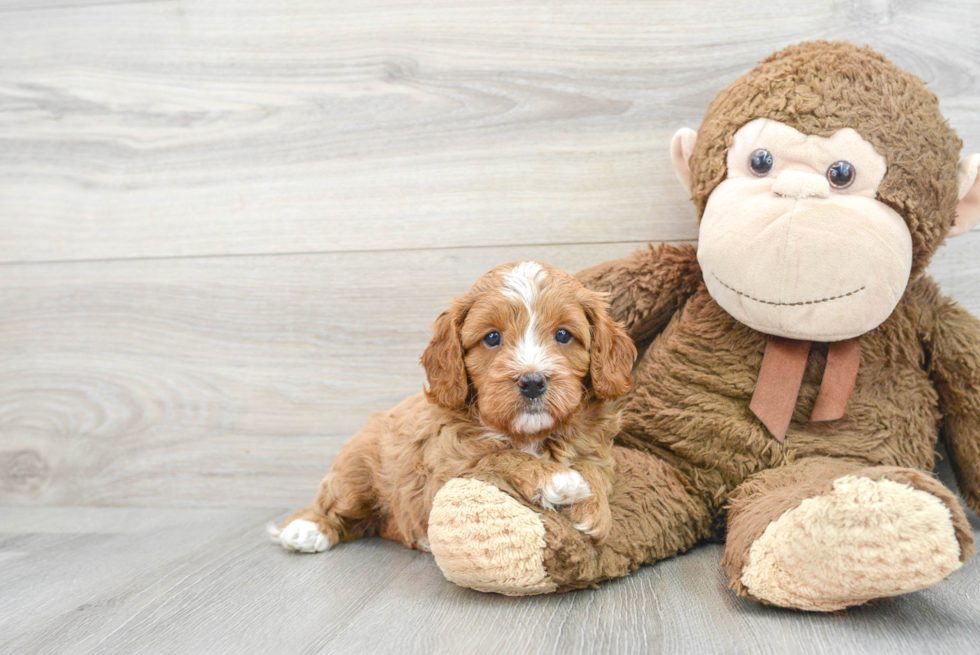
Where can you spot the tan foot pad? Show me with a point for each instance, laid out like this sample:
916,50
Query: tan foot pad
486,540
866,539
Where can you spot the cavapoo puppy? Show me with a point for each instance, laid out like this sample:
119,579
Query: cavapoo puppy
523,371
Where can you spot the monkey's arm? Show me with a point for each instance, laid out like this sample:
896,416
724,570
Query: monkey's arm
646,288
954,366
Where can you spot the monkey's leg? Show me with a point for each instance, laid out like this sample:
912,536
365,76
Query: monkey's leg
823,534
485,537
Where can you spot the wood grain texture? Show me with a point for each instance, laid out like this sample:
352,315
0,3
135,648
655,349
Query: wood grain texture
225,228
214,381
61,5
232,381
208,581
209,127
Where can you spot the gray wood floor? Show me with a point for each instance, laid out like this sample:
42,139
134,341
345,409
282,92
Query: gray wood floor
225,228
145,580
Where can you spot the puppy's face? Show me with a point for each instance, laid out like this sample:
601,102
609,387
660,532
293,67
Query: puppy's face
532,343
527,345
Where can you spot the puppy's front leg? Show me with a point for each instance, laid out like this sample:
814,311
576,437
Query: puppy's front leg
591,515
547,484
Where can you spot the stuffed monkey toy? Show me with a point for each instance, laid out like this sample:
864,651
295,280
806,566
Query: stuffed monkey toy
799,365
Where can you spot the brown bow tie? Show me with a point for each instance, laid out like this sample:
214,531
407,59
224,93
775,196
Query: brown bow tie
781,374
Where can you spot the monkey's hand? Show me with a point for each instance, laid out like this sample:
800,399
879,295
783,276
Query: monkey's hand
647,288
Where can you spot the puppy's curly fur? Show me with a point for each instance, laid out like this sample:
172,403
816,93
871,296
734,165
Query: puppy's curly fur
523,371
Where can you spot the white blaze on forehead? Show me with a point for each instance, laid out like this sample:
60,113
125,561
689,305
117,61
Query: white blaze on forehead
521,283
531,356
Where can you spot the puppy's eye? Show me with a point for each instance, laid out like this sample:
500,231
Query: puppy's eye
563,336
760,162
492,340
841,174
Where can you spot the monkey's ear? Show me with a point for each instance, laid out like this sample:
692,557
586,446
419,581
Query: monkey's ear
681,147
968,209
443,361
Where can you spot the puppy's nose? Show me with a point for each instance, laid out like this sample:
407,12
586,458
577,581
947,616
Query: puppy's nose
532,385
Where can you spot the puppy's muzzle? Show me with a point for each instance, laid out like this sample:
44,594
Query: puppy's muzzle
532,385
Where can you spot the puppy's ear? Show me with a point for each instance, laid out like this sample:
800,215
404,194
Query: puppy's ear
612,353
443,361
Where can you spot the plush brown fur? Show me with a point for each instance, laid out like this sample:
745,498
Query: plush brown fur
697,448
384,479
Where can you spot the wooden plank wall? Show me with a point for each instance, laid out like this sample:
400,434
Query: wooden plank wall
225,226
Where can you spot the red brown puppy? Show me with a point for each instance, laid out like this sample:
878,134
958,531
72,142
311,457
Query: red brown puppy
523,371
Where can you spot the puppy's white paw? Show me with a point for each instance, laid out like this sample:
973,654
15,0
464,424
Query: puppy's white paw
300,536
565,488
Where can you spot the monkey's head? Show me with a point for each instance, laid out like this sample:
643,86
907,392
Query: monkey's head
824,180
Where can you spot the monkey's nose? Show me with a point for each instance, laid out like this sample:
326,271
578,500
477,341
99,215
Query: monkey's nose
532,385
797,184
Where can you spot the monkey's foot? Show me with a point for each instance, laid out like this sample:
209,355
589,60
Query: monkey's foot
865,539
486,540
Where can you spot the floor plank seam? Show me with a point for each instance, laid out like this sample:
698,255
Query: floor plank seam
359,251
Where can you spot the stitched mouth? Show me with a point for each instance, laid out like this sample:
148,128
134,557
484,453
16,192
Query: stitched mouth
786,304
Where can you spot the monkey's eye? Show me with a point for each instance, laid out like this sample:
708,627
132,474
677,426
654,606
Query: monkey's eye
563,336
841,174
760,162
492,340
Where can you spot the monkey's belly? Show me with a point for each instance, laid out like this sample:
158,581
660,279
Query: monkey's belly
690,403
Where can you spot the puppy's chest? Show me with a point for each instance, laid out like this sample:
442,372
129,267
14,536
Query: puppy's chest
553,449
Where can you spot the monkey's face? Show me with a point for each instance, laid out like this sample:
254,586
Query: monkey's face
793,242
